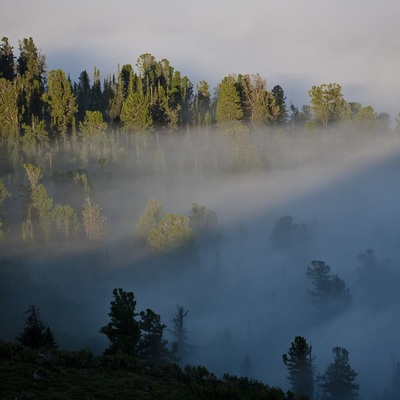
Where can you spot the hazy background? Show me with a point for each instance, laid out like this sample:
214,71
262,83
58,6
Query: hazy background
251,299
292,43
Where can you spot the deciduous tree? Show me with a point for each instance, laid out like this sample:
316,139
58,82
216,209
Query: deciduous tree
149,220
173,234
327,103
93,220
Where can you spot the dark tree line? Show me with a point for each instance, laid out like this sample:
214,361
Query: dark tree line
142,334
130,333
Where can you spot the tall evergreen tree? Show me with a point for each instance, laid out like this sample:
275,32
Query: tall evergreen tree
96,98
123,331
7,66
61,101
117,99
280,99
339,378
135,113
82,94
31,68
300,365
152,346
229,106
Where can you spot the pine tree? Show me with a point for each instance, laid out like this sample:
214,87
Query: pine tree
123,331
36,334
229,106
329,290
339,378
31,68
280,99
152,346
7,67
61,101
82,94
299,362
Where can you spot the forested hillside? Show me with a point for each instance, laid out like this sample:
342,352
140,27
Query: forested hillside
271,225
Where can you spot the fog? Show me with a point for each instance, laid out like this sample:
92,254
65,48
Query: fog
245,296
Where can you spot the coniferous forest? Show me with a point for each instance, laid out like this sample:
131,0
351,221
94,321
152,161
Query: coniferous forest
165,239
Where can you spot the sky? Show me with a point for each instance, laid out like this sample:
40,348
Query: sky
293,43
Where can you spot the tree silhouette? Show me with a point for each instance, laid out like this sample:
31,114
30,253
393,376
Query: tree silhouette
123,331
181,347
152,346
339,378
329,291
299,362
36,334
